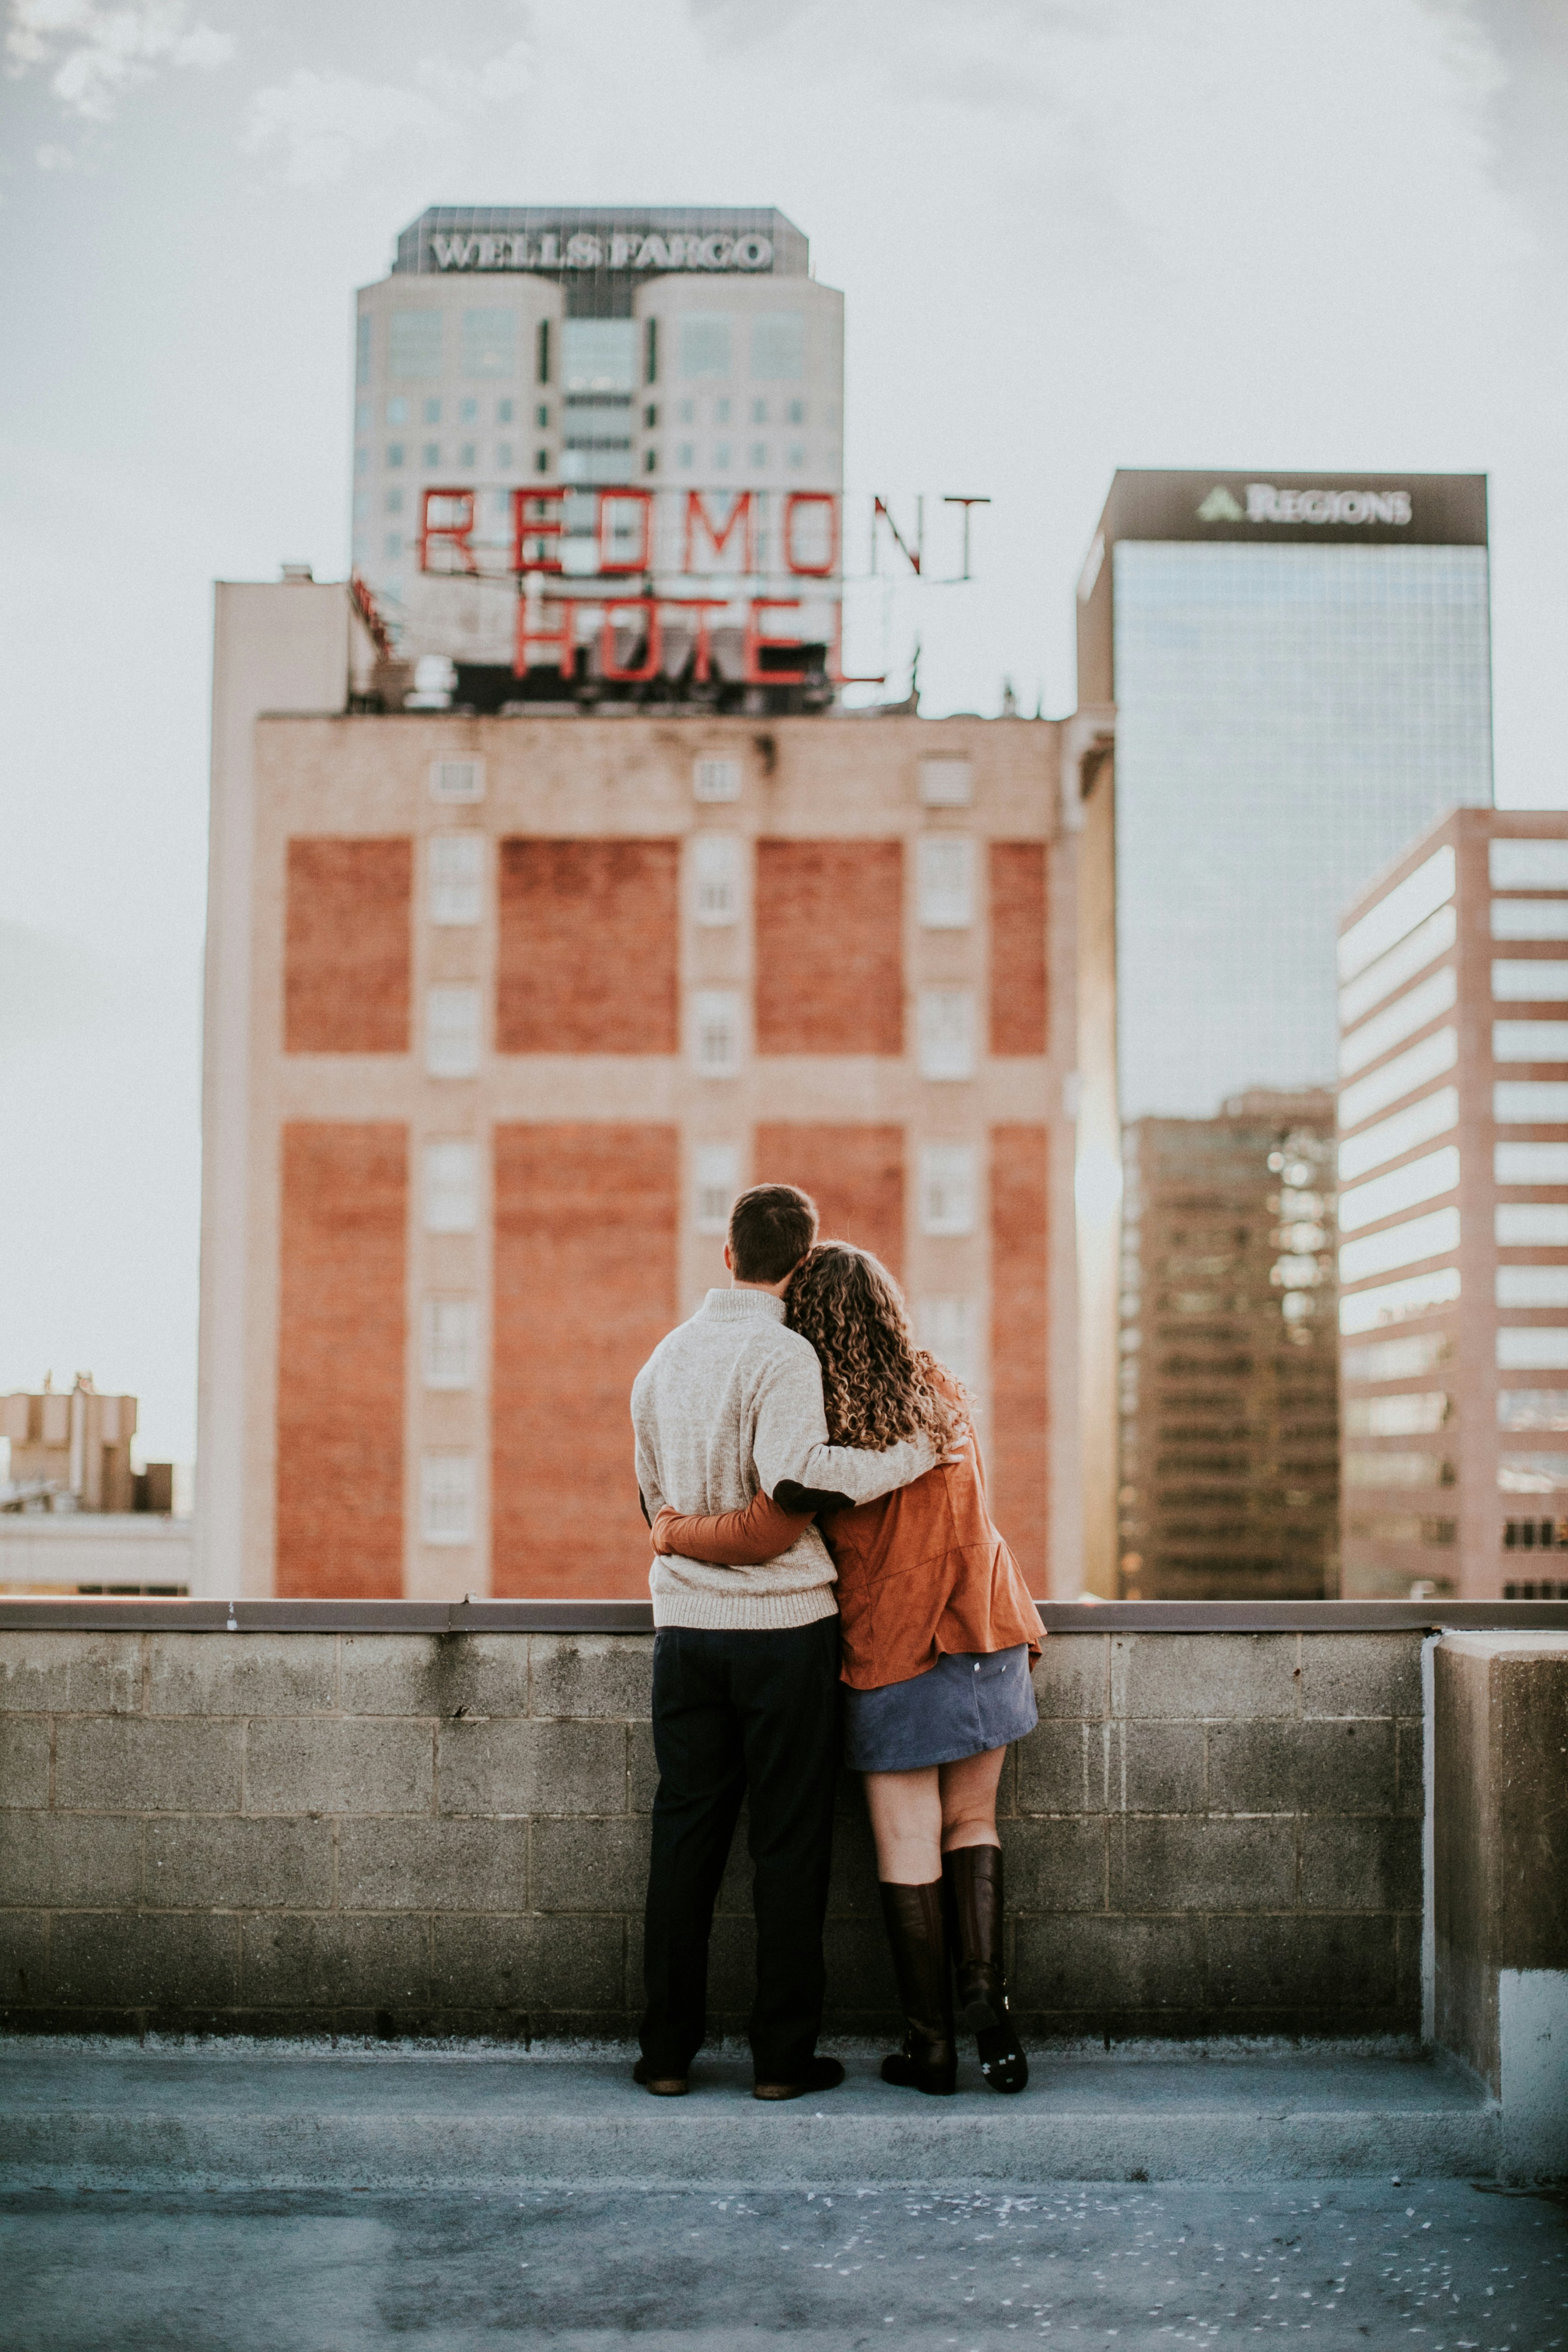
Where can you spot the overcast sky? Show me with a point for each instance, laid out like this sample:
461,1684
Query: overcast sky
1073,234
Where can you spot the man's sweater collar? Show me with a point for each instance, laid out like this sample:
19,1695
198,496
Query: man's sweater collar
729,1305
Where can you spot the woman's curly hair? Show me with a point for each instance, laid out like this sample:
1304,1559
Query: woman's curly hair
876,1386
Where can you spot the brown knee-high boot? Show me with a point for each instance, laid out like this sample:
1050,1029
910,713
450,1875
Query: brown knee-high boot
917,1932
972,1878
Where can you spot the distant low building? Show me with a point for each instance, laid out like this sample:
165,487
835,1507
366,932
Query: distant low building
70,1451
1453,1163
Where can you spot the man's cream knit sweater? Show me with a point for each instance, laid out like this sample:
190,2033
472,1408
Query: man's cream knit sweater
730,1402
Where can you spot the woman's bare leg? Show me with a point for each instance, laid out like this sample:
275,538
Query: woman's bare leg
969,1800
906,1810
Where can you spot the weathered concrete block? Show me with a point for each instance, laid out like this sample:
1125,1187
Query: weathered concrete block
435,1865
1173,1864
852,1883
24,1960
216,1863
325,1960
1072,1676
146,1764
1103,1965
529,1964
1158,1767
1360,1866
731,1972
861,1987
520,1767
185,1962
1062,1769
339,1766
589,1865
23,1759
586,1674
1306,1768
1204,1676
1321,1964
642,1767
77,1860
1411,1769
1054,1865
1361,1673
435,1673
70,1673
248,1674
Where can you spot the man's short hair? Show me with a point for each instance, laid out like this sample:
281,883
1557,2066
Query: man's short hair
771,1229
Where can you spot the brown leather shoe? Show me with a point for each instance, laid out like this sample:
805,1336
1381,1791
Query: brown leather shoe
663,2086
822,2075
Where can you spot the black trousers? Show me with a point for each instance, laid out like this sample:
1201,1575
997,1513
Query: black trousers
752,1714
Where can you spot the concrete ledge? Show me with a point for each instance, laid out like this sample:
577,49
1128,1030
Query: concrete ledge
172,2120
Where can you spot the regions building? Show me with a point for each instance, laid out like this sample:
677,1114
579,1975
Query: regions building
1300,674
518,363
1453,1167
501,1012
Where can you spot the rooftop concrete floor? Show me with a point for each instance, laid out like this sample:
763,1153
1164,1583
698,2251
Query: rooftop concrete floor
1444,2266
399,2121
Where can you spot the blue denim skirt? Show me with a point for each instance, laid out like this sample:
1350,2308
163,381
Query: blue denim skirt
966,1703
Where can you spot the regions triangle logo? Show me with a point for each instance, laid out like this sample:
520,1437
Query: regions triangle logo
1220,507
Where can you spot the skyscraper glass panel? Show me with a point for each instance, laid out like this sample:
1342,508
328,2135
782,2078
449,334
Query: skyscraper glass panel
1288,716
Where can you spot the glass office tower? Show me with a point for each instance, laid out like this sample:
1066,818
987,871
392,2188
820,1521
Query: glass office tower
1301,669
1302,674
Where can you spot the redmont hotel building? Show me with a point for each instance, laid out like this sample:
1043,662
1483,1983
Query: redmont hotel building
1453,1214
501,1012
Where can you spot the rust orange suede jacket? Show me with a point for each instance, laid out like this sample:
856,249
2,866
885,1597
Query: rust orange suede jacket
921,1571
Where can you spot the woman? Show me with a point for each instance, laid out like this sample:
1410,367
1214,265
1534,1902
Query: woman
938,1635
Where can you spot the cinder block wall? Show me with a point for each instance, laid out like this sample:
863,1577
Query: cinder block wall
409,1833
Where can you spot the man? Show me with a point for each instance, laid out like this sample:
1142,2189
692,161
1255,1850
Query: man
745,1659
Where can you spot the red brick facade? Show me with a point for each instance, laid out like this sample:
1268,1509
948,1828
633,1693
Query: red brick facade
584,1289
1018,879
346,957
588,957
1019,1398
830,962
854,1174
340,1329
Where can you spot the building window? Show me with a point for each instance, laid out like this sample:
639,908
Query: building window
489,343
650,461
650,415
540,416
394,453
796,412
431,454
451,1031
542,461
948,1329
722,457
451,1187
686,456
457,780
945,863
947,1033
716,1031
716,780
397,410
413,345
716,868
448,1335
432,412
362,348
468,454
503,457
721,409
361,461
716,1174
505,410
393,548
797,455
947,1188
946,783
393,503
468,411
447,1490
705,343
778,343
686,413
457,878
651,352
759,412
759,453
541,353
